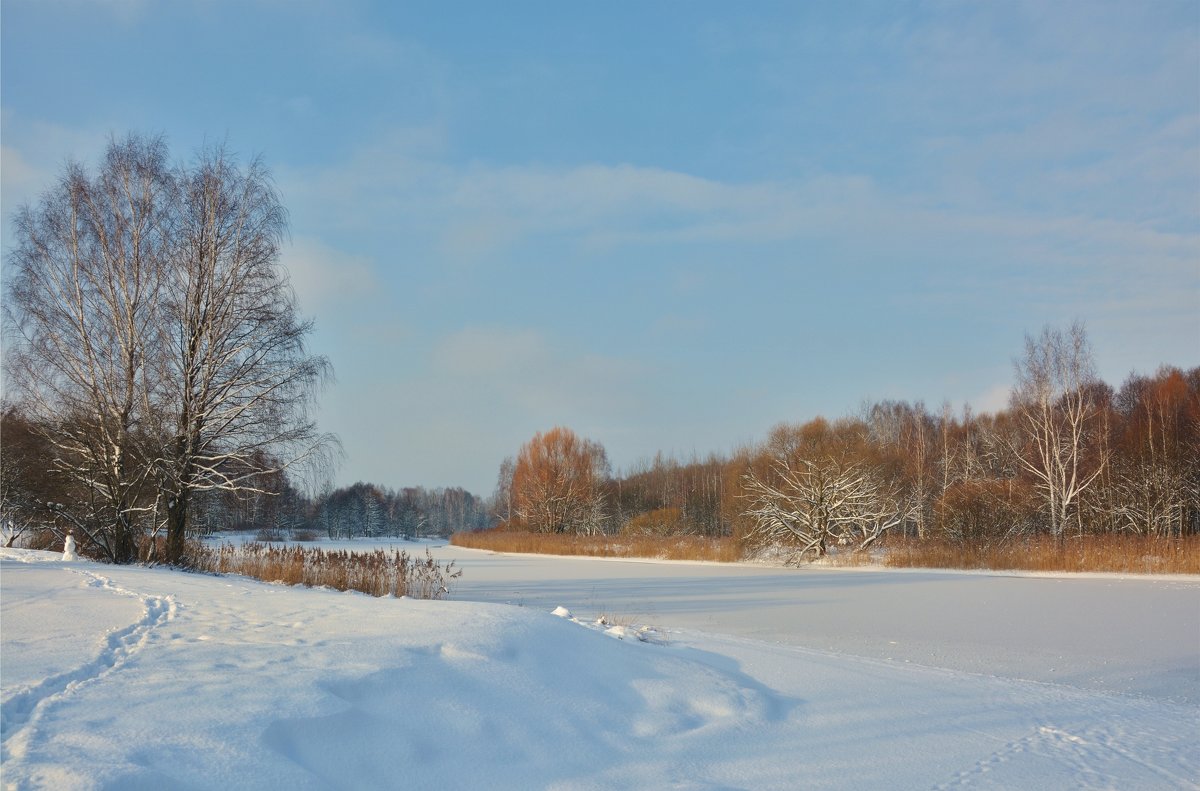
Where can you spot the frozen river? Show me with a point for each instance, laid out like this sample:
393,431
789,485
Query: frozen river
1101,632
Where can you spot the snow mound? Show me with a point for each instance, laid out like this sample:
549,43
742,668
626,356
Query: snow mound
645,634
234,683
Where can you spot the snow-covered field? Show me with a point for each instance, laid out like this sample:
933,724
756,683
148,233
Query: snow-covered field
134,678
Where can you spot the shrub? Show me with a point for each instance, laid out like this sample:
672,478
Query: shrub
659,522
983,510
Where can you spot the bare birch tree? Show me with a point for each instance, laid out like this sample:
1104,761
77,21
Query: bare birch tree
156,342
83,304
241,378
1155,484
502,497
906,430
1054,405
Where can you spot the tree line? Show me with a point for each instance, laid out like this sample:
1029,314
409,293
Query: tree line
1070,456
275,509
371,511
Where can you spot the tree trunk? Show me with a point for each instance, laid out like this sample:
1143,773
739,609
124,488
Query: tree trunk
177,526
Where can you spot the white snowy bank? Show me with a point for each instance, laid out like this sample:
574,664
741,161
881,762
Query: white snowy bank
133,678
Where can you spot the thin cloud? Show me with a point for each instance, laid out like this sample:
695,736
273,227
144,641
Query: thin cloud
535,376
328,279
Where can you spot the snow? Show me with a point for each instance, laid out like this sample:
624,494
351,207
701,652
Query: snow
131,678
69,548
1111,633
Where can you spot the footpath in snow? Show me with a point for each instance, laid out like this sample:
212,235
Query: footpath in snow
133,678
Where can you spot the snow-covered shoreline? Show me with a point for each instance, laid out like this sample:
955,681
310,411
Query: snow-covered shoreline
866,567
129,677
367,544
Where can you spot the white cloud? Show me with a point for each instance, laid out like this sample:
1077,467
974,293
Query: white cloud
328,279
535,376
488,352
992,400
477,209
20,181
1052,263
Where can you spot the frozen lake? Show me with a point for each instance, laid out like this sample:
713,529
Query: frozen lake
1114,633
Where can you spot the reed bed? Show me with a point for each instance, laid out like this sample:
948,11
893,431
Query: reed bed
660,548
377,572
1109,553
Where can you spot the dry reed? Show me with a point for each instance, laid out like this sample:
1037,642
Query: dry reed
1110,553
661,548
377,572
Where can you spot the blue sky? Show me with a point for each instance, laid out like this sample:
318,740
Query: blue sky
669,225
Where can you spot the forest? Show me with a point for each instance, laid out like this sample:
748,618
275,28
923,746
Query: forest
1071,457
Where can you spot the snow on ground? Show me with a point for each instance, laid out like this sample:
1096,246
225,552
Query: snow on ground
1132,634
132,678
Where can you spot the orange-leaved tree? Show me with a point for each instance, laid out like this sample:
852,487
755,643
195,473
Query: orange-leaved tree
558,484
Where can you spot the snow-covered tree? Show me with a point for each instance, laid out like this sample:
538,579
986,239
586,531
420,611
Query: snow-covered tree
808,504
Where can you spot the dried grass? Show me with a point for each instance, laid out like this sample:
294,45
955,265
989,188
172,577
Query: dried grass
1112,553
658,547
378,572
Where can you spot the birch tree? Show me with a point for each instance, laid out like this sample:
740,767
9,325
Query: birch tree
84,297
1053,402
502,497
905,431
1155,483
242,380
155,340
